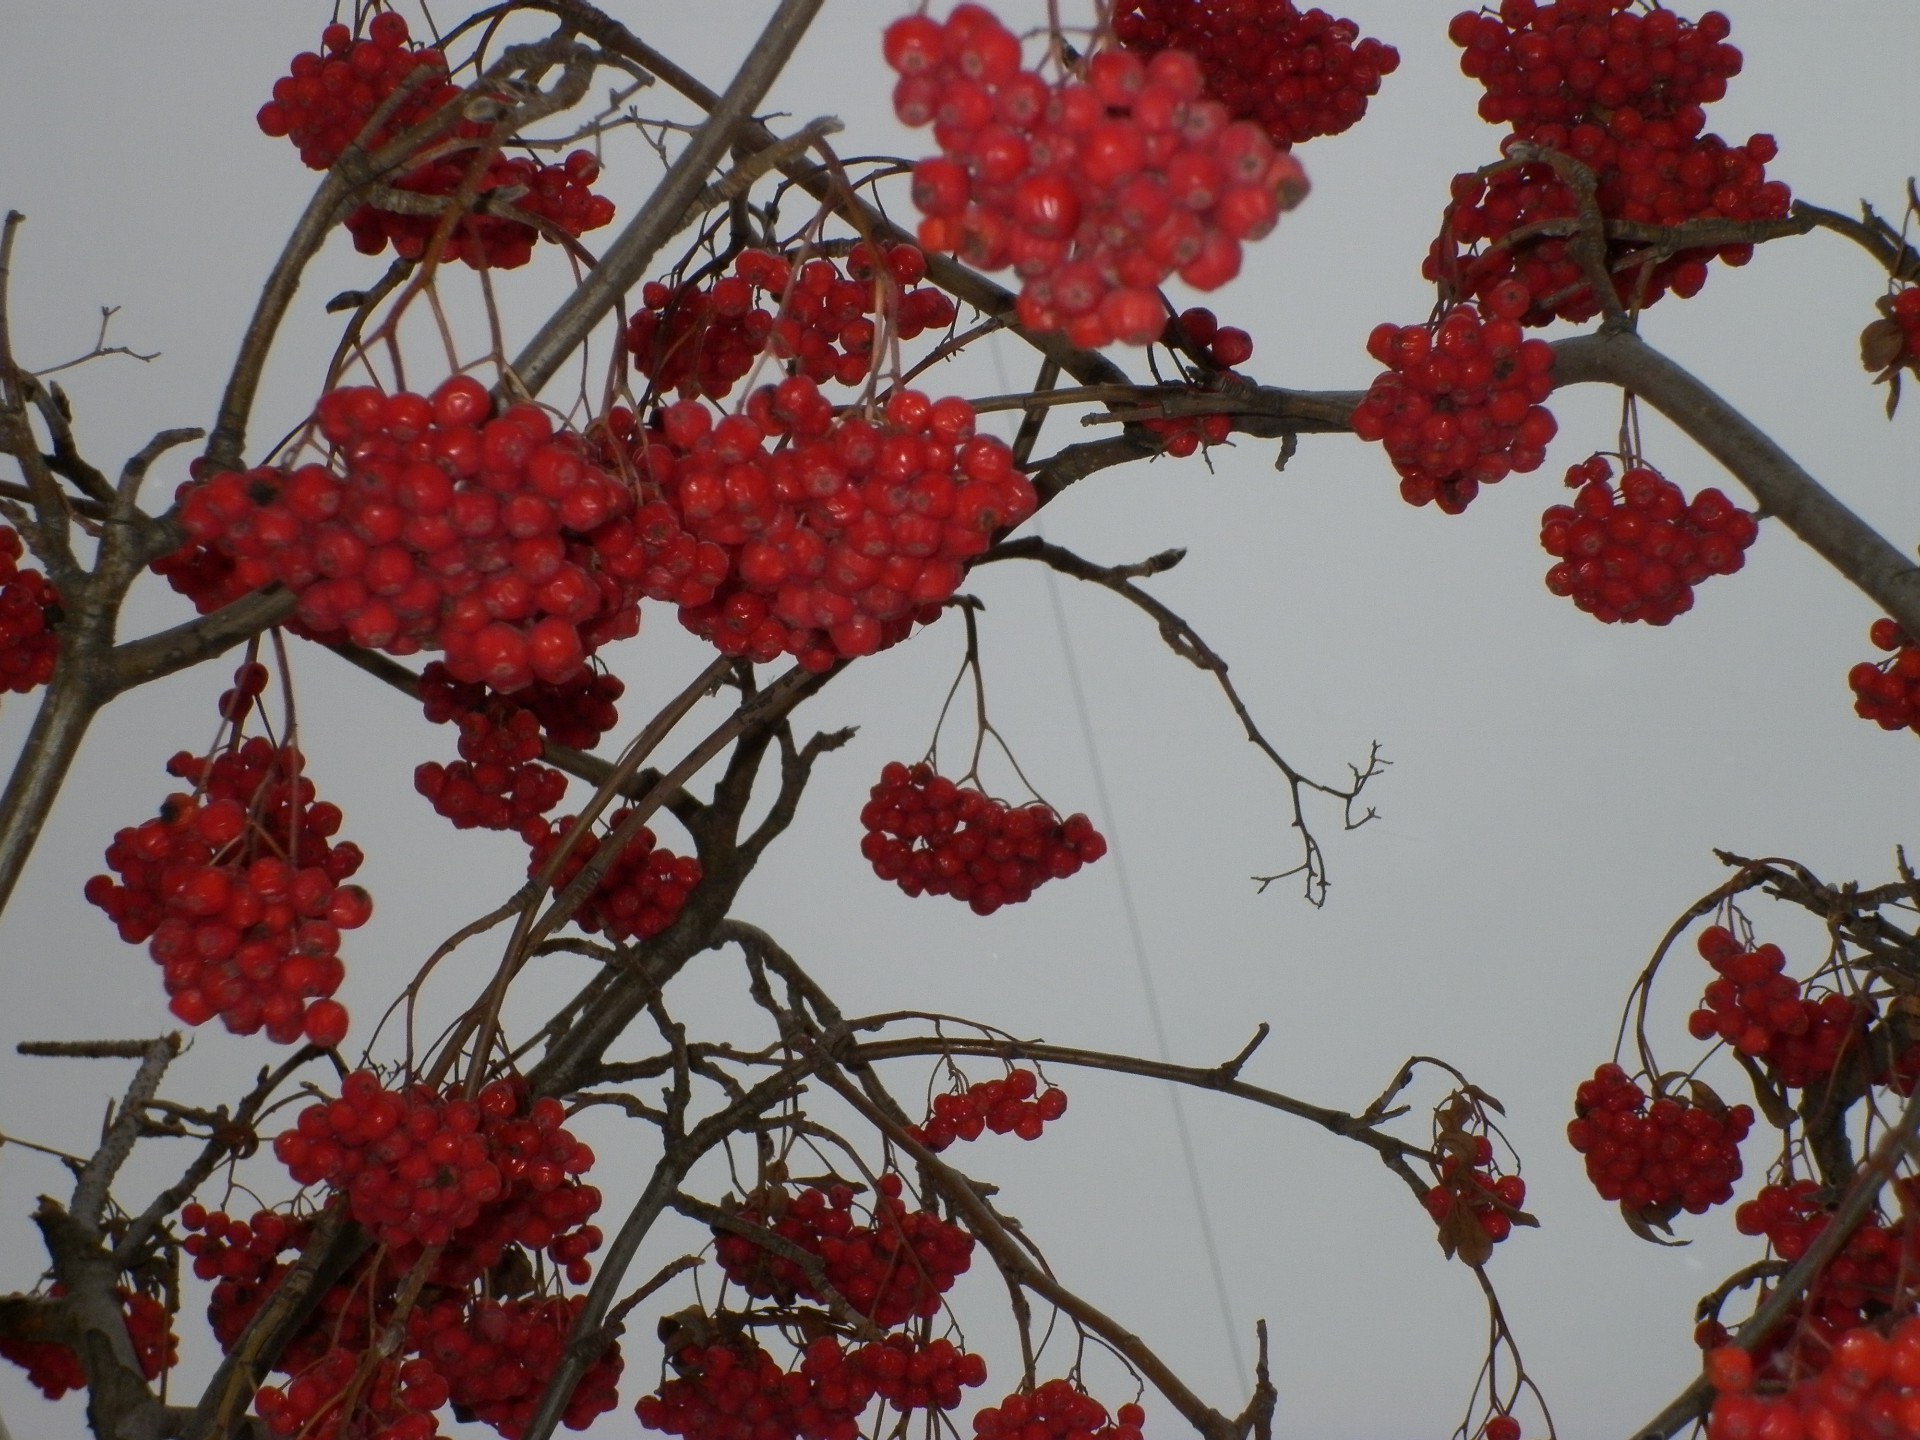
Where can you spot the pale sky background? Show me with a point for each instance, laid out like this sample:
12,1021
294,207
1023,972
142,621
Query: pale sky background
1556,786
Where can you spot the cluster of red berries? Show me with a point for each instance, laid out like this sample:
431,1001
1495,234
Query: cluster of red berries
1761,1012
346,1394
1892,343
934,836
1056,1410
1621,91
420,1168
641,893
891,1269
734,1390
327,99
497,1355
1470,1192
698,342
53,1368
1868,1383
28,608
1298,74
1094,191
1637,555
449,529
1013,1103
1460,403
832,545
242,1259
1858,1284
238,890
497,783
1655,1158
1888,693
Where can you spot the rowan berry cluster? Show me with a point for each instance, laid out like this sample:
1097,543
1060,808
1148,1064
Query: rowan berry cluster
29,606
1471,1192
53,1368
1888,693
1868,1383
1460,403
238,890
697,342
1056,1410
328,98
1013,1103
1637,554
641,893
448,529
1197,335
934,836
387,1399
1857,1285
420,1168
1762,1012
497,1355
831,546
1094,191
1620,91
892,1268
1298,75
1655,1156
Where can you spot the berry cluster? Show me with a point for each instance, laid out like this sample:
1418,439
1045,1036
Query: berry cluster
53,1368
830,546
448,529
395,1399
1056,1410
1868,1383
497,783
1888,693
934,836
420,1168
238,890
1892,343
242,1258
641,893
28,609
1620,91
1469,1192
699,342
1460,403
1014,1103
496,1356
1299,75
1637,555
891,1269
327,99
1761,1012
1660,1158
1095,191
1198,335
1857,1284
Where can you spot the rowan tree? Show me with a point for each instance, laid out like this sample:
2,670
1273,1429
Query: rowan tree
642,472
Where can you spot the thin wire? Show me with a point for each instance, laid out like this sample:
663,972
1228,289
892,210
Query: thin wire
1116,851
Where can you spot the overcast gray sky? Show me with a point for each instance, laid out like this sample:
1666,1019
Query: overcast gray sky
1556,788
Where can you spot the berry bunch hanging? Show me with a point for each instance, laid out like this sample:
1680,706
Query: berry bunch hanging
1013,1103
389,1399
496,1356
1888,693
1861,1281
1637,554
1460,405
1197,335
29,607
1096,190
1656,1156
1621,90
420,1168
53,1368
829,547
443,527
1868,1382
1297,74
933,836
892,1268
699,342
329,97
641,893
239,891
1056,1410
1762,1012
1473,1205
